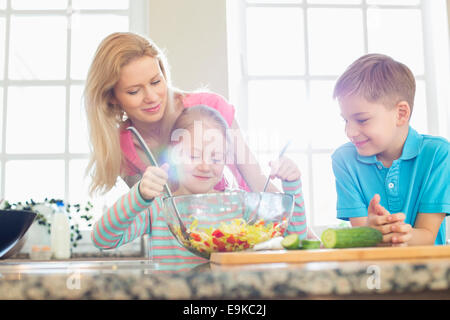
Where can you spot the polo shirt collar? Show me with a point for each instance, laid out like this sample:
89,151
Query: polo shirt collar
411,148
412,145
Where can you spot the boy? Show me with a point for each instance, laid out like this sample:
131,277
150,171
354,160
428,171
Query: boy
389,177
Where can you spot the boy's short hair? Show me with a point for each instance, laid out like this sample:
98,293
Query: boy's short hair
377,78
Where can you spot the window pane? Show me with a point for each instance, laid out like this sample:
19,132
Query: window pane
276,109
38,48
100,4
2,4
79,190
334,2
78,182
385,33
38,5
419,116
325,125
335,39
40,111
2,47
272,50
78,136
324,190
87,33
34,179
393,2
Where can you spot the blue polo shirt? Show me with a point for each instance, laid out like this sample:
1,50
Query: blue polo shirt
417,182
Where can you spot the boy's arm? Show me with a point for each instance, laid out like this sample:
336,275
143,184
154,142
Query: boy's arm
359,221
123,222
395,231
424,232
435,202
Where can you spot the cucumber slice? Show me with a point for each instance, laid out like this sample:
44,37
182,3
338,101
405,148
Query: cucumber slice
351,237
291,242
310,244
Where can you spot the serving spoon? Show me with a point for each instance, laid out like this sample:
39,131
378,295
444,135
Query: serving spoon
152,160
279,156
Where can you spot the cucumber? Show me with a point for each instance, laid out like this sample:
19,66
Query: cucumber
291,242
351,237
310,244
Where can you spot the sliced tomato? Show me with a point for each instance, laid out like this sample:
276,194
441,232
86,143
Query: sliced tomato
231,239
196,237
217,233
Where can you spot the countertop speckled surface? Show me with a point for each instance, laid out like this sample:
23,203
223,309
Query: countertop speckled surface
132,278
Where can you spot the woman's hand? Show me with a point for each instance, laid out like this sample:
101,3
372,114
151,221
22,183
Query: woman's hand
284,169
392,226
153,181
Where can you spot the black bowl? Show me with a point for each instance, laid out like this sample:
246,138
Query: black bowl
13,226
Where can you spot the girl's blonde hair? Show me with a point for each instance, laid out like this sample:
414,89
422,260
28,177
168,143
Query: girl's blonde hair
199,112
187,119
104,118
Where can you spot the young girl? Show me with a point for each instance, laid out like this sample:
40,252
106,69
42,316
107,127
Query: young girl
197,164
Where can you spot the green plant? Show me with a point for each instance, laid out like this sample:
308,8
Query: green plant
49,204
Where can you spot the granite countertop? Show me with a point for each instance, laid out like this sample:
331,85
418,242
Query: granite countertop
132,278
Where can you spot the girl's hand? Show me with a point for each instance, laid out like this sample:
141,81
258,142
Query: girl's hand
284,169
153,180
392,226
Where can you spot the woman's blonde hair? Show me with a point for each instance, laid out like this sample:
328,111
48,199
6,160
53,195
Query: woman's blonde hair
104,118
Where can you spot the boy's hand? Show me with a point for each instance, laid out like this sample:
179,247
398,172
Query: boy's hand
153,180
392,226
284,169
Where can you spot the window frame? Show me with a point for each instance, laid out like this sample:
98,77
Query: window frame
436,67
138,22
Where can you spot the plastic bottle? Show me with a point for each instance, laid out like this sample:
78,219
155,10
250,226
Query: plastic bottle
60,233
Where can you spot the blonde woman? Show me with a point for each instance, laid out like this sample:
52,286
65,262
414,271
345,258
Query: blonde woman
128,84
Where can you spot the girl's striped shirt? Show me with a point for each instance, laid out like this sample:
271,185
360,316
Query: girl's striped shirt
132,216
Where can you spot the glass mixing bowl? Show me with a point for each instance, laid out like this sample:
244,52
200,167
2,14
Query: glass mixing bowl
229,221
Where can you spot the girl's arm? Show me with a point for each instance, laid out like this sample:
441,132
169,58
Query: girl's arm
247,163
125,221
297,223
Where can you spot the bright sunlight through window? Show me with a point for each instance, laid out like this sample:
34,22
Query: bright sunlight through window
287,55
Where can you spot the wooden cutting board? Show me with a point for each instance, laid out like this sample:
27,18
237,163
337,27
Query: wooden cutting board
355,254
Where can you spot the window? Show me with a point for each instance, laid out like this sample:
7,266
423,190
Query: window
45,51
286,55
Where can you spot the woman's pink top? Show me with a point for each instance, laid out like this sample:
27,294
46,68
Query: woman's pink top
134,165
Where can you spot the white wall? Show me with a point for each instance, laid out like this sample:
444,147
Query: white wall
193,35
448,13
